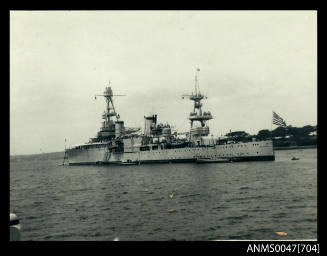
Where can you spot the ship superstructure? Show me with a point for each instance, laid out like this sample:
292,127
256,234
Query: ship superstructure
116,144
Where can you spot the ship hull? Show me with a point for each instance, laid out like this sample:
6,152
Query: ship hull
250,151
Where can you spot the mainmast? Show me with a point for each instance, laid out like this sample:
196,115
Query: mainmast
197,115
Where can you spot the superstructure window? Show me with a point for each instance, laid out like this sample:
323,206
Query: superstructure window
145,148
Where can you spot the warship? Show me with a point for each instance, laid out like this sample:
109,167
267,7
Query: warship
159,143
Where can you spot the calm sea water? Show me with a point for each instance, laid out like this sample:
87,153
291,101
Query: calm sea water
246,200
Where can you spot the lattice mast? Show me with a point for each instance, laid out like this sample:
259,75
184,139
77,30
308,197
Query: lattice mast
110,110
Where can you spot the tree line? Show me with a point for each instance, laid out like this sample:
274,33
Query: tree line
281,136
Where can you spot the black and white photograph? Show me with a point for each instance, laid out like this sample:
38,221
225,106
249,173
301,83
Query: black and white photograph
163,125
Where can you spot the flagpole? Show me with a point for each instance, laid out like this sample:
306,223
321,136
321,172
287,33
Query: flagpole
271,122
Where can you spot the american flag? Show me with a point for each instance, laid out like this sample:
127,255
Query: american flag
277,120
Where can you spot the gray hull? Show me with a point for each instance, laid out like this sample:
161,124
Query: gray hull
250,151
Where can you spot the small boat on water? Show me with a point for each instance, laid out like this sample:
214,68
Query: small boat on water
295,158
211,160
127,163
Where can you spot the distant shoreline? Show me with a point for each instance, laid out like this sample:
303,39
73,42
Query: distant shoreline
38,154
295,147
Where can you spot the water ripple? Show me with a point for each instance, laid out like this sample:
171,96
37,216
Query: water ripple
249,200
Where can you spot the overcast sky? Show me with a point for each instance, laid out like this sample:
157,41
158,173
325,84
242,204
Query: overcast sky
252,62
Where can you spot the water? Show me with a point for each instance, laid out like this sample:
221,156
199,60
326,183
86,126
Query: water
246,200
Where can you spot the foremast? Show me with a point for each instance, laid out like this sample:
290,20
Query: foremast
109,126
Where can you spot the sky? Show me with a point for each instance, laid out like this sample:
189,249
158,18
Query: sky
251,63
